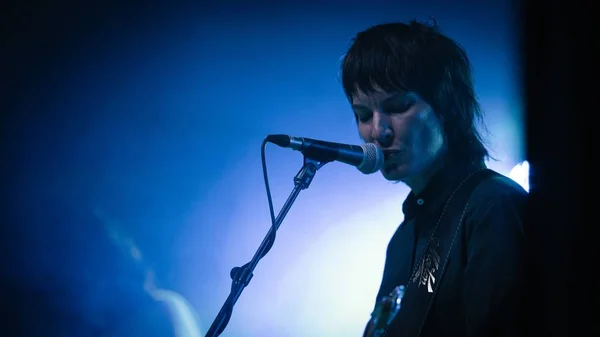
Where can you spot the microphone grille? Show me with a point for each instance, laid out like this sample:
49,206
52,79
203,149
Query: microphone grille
373,160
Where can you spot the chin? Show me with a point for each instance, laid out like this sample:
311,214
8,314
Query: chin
394,173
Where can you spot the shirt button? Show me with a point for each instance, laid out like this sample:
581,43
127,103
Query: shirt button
420,202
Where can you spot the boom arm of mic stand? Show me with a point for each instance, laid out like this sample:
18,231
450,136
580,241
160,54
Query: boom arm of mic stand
241,276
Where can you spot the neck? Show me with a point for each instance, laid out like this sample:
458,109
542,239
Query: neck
418,182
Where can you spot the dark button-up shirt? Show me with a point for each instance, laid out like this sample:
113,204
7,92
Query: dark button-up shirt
479,294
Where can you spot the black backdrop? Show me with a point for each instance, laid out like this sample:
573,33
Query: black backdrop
554,37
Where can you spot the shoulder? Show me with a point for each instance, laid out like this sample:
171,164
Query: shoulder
498,190
497,208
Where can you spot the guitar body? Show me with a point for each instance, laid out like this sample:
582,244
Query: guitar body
385,312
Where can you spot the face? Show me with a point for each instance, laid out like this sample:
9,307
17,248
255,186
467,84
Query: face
405,127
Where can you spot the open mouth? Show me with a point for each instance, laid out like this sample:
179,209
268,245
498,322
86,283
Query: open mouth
389,155
391,158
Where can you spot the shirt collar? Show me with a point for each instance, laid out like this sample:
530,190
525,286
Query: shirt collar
439,188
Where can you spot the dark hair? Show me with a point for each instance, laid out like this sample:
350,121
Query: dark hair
417,57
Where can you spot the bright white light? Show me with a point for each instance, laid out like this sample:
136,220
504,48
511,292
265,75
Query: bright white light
520,174
183,315
338,274
324,270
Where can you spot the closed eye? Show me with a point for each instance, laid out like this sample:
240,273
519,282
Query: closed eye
399,108
362,114
363,118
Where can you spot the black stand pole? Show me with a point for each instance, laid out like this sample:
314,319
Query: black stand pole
241,276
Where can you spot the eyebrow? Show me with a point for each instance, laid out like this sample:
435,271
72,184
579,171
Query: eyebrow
387,103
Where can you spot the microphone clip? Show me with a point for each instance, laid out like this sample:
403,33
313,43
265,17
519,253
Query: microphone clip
306,174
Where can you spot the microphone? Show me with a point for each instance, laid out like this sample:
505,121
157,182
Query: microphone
367,158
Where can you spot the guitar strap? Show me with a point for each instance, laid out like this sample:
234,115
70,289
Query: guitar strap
428,272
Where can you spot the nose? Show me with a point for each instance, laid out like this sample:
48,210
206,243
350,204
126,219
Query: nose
382,133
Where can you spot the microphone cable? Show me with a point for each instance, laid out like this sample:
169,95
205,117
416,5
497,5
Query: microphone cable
237,274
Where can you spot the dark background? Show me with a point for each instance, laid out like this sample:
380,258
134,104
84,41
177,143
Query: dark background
36,37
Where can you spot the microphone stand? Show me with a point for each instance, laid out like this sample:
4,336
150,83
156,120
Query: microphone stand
241,276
